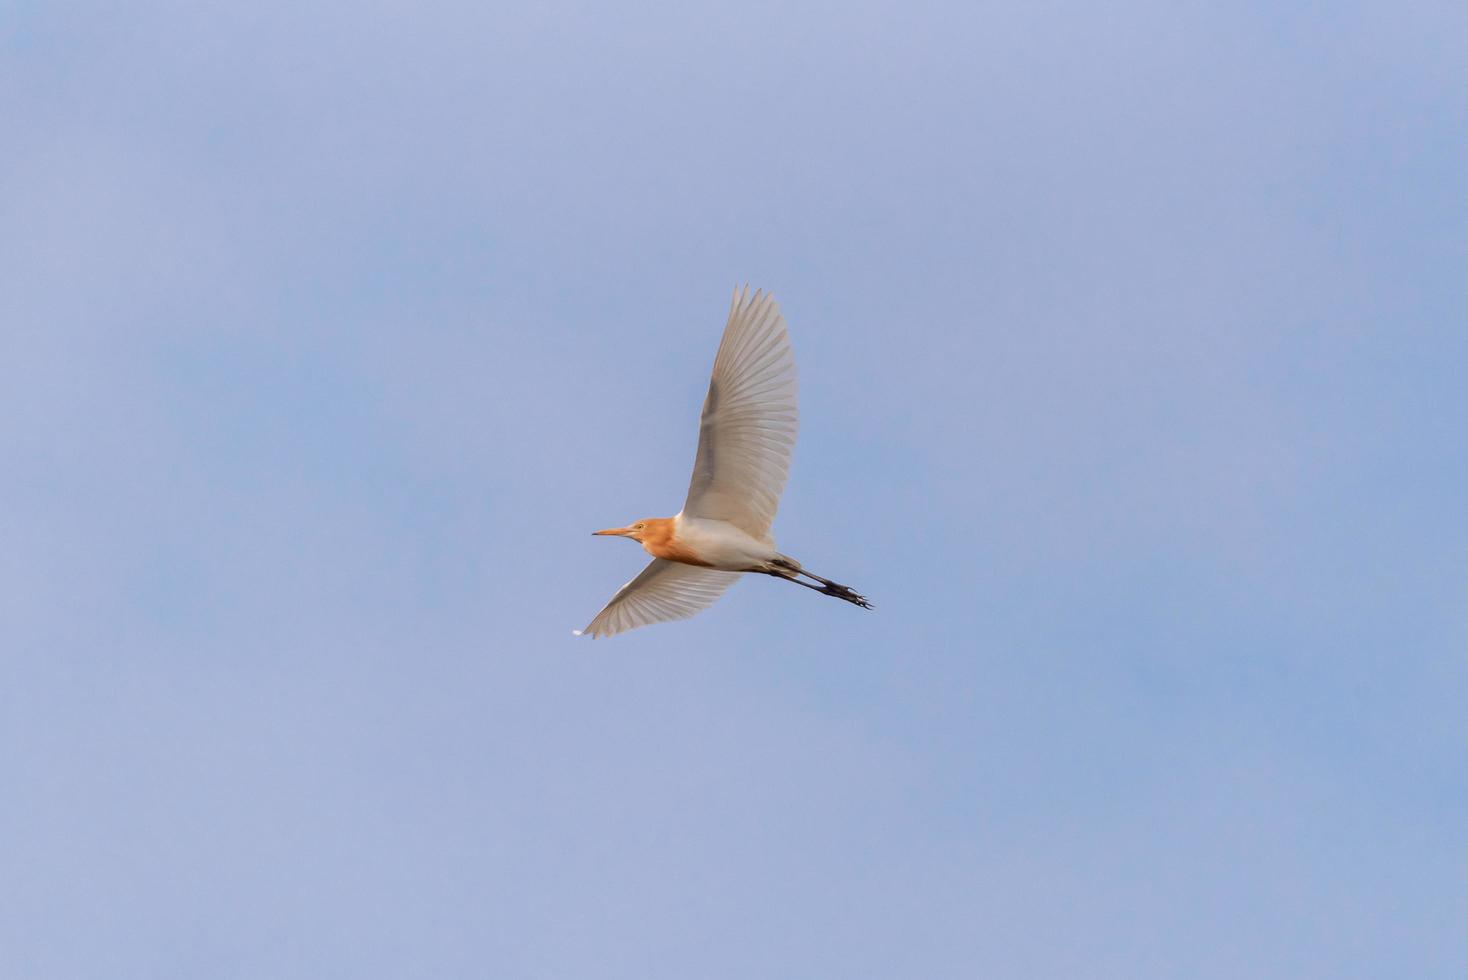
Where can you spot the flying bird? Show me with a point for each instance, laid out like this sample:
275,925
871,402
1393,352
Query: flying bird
745,438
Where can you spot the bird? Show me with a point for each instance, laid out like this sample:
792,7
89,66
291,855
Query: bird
745,439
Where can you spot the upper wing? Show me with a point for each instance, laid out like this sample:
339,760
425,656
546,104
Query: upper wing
749,420
665,590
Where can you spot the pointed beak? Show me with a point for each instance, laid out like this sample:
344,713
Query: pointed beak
612,530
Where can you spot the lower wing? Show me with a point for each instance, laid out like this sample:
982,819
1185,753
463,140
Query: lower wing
665,590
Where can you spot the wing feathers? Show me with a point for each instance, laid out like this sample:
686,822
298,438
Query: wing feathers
749,420
664,590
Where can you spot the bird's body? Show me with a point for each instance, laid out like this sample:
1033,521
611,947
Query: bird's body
746,435
706,543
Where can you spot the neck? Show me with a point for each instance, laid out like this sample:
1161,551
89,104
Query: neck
660,539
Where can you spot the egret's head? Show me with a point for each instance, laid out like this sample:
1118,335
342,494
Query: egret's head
633,531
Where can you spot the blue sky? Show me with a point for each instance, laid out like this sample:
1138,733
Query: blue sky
1132,346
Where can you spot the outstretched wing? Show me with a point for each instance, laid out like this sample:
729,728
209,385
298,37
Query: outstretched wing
749,420
665,590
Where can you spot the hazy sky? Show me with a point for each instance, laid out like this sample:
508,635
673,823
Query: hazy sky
1132,342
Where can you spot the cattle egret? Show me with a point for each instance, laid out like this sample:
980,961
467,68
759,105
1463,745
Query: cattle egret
744,443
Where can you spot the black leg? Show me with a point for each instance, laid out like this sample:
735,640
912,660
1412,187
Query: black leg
826,588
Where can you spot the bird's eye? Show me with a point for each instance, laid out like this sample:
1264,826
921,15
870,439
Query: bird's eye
639,527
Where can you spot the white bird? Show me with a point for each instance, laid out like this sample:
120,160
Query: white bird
744,443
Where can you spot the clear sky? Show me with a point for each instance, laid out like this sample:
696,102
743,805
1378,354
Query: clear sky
1132,342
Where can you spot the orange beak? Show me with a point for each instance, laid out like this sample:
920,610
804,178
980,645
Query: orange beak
612,530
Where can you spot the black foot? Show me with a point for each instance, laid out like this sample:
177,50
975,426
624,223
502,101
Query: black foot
845,592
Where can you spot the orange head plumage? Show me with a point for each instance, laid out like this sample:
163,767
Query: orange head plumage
659,538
